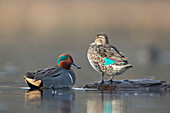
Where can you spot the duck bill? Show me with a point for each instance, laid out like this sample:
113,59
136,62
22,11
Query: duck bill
74,65
92,43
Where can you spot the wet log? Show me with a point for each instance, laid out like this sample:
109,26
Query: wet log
148,85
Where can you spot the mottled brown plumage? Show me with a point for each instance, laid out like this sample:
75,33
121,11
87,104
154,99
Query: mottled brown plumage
106,58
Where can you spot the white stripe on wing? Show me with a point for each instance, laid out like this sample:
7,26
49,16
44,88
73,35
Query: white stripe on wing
70,77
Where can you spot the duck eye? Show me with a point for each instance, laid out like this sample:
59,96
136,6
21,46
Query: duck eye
65,58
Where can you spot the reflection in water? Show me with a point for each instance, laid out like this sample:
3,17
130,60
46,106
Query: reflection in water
68,101
107,103
61,100
64,101
33,98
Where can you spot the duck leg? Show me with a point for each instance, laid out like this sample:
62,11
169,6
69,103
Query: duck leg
102,79
53,90
111,79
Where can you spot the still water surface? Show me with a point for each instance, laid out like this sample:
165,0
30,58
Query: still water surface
17,99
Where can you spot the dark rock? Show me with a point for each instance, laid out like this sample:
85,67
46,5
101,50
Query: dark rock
131,85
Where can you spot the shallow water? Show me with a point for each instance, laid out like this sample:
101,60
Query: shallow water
17,99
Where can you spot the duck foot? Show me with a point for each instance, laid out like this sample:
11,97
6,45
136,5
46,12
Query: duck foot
53,90
101,82
111,80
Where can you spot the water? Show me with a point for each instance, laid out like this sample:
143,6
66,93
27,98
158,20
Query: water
17,99
34,33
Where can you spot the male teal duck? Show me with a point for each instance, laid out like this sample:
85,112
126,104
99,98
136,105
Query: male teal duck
60,76
106,59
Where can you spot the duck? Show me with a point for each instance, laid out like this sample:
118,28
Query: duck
106,58
59,76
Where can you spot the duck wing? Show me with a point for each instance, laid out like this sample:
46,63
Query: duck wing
44,73
109,52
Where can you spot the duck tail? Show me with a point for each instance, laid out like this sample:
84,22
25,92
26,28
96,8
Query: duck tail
33,84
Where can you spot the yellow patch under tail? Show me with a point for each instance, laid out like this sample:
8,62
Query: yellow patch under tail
32,81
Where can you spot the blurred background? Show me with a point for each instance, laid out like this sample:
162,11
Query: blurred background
34,33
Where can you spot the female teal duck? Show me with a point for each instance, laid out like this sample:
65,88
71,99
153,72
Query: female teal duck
59,76
105,58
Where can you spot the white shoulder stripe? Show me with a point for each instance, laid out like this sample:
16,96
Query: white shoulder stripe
70,77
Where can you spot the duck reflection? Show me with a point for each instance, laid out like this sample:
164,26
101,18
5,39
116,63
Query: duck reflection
106,103
60,100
